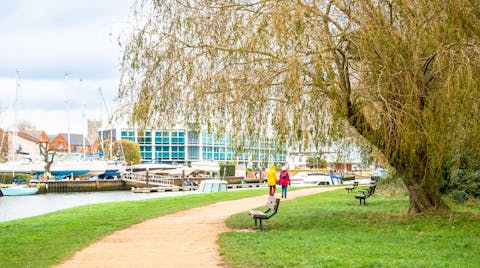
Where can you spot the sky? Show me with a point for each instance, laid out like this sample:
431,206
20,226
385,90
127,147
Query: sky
66,52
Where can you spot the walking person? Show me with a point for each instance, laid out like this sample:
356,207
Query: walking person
284,181
272,179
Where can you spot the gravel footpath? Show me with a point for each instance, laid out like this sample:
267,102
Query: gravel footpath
183,239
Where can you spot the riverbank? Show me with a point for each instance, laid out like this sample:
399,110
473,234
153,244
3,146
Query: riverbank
17,207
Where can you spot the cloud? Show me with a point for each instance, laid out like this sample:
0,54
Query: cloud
49,104
46,39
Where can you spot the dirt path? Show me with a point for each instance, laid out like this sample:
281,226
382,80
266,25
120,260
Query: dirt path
183,239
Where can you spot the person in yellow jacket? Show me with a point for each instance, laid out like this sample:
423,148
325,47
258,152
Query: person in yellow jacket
272,179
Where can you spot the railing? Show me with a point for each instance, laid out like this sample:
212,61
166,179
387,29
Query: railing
154,180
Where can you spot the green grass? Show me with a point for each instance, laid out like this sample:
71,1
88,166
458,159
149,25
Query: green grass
45,240
332,230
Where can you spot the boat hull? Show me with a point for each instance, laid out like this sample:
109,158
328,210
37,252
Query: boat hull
15,191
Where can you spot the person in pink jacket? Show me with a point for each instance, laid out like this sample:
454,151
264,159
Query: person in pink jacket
284,181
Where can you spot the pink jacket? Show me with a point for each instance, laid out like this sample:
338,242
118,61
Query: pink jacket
284,178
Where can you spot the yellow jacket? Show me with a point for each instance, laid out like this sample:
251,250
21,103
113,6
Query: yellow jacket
271,176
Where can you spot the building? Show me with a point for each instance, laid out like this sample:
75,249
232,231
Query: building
25,145
338,158
185,146
92,129
77,143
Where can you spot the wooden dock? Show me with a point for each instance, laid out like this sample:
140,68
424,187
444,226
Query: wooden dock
66,186
139,182
246,185
162,189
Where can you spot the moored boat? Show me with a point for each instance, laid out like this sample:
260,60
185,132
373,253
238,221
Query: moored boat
319,179
19,190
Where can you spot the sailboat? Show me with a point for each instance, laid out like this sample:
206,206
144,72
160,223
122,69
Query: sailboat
17,166
19,190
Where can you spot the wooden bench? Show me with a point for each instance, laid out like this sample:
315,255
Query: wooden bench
272,205
366,193
353,187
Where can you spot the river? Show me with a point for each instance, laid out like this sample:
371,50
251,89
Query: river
16,207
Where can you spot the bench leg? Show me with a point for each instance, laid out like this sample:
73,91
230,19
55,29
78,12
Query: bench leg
255,223
260,224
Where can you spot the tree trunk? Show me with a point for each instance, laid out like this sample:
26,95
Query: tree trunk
422,184
423,198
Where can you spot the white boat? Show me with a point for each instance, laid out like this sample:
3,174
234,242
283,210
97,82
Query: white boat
298,178
317,179
206,166
19,190
22,166
150,167
61,170
379,173
209,186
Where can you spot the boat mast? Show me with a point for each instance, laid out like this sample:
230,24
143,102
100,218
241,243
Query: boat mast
109,122
67,101
83,118
15,117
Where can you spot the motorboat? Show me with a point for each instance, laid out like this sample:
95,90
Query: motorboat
298,178
209,186
318,179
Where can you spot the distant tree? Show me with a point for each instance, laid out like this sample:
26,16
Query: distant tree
126,148
24,125
401,76
48,155
316,162
131,151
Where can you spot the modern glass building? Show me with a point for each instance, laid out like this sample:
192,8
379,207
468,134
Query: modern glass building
185,146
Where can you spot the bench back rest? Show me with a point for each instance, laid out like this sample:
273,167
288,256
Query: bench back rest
272,202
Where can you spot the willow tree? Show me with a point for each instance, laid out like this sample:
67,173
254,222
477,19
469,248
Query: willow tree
400,75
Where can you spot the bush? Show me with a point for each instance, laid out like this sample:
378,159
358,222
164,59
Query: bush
459,196
6,178
229,169
463,180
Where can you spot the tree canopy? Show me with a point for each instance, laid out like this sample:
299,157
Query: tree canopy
123,149
400,75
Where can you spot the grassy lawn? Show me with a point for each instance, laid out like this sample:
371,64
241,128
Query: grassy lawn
45,240
332,230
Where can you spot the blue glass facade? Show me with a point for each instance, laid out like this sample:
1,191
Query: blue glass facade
181,146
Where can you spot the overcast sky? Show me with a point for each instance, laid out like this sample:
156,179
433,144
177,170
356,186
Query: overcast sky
44,41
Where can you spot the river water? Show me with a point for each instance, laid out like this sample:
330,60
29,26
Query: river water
16,207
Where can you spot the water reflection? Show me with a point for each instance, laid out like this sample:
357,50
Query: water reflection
16,207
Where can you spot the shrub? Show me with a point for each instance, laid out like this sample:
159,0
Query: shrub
459,196
464,181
